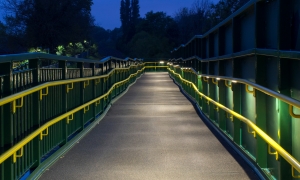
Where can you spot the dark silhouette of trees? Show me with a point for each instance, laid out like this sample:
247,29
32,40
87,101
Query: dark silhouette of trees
202,16
3,38
48,23
154,36
135,12
125,15
129,15
223,9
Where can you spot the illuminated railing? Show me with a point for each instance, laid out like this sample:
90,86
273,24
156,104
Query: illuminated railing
69,116
79,114
191,87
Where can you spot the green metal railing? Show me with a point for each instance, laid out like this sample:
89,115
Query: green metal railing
70,115
255,54
49,106
42,108
211,94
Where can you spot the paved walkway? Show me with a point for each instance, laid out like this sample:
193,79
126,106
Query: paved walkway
152,132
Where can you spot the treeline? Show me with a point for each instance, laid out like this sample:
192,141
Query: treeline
62,27
67,28
156,34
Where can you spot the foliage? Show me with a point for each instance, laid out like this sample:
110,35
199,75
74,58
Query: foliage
223,9
193,21
48,23
202,16
54,24
146,45
39,49
155,23
82,49
3,38
129,16
135,12
153,38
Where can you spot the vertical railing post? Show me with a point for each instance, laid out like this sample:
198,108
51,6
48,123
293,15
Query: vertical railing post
200,88
93,84
222,100
261,112
101,66
80,65
63,66
205,103
236,88
212,95
34,64
285,120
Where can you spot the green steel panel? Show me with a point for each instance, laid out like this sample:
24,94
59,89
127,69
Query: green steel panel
229,104
229,38
205,105
267,24
222,100
212,95
261,122
248,110
216,44
285,129
236,88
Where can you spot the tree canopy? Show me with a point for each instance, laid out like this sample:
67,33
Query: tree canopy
48,23
129,16
67,27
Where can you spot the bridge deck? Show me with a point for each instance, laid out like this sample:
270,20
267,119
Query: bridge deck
152,132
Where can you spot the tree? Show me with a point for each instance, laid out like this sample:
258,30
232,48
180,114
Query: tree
3,38
154,37
125,15
135,12
155,23
80,49
145,45
193,21
223,9
129,15
49,23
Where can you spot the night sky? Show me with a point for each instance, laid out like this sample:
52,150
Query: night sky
107,12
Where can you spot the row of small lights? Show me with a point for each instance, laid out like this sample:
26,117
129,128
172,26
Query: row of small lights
199,75
218,79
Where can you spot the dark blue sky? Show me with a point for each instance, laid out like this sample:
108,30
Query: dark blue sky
107,12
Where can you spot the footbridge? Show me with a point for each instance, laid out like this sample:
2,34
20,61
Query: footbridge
225,106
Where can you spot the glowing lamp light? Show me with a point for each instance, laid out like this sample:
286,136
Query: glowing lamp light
161,62
218,79
234,81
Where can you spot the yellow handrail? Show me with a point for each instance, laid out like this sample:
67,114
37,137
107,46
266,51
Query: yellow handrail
214,80
292,112
279,150
19,95
290,101
40,130
41,93
15,106
248,91
228,85
156,67
70,88
256,87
